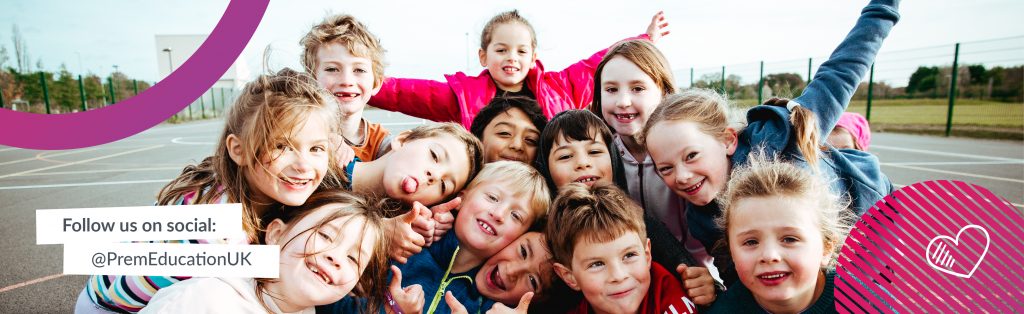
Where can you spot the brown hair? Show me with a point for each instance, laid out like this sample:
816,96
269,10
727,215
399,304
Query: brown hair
373,280
349,32
596,214
268,110
767,176
473,146
645,56
805,129
506,17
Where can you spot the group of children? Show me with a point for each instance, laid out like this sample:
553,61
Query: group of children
596,189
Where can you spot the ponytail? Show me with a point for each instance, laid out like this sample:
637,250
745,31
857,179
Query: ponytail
805,129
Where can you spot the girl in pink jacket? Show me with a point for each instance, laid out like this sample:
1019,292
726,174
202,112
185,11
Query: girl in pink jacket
508,52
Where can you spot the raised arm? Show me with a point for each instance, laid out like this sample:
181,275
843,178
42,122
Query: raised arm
837,79
427,99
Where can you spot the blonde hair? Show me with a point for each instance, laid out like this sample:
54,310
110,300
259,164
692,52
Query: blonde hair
596,214
343,29
473,146
372,282
268,110
711,111
645,56
507,17
518,178
766,176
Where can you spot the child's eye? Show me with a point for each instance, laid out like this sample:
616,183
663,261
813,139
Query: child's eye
331,69
353,260
492,198
517,216
504,134
664,171
611,90
324,235
691,156
282,146
638,89
360,70
318,149
531,142
563,157
595,265
534,284
631,255
433,155
790,240
750,242
522,52
522,251
500,50
444,188
596,151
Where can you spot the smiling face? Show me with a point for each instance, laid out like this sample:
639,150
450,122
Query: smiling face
628,96
509,56
427,170
694,164
522,266
510,136
349,78
343,249
778,249
614,276
586,161
295,168
491,217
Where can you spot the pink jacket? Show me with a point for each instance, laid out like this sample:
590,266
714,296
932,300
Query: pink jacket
461,97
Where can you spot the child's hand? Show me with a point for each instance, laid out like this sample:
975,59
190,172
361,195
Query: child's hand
423,224
524,304
699,284
405,240
409,299
443,218
454,304
658,27
342,152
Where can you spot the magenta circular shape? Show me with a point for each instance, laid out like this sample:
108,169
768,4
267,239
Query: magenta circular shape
149,108
934,246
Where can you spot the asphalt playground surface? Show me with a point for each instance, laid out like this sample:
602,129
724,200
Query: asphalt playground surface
131,171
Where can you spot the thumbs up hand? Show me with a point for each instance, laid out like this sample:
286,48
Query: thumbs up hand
405,241
409,299
443,219
524,304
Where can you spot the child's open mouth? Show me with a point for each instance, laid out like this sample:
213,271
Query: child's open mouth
346,96
773,278
495,280
486,227
694,188
588,180
317,272
510,70
626,117
410,185
295,183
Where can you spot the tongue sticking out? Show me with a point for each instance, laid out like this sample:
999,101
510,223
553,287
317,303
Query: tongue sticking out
409,185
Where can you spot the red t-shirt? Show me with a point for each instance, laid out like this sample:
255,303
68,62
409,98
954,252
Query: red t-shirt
666,295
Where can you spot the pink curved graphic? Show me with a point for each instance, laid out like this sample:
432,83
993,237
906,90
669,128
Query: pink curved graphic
149,108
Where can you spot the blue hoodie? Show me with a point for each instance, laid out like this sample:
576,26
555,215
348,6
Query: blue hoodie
854,174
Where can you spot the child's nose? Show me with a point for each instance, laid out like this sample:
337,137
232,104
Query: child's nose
623,101
582,162
770,253
683,175
618,272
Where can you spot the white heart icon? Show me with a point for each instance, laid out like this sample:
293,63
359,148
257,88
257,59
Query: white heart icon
945,254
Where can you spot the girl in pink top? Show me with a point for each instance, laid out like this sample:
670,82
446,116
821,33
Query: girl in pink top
508,51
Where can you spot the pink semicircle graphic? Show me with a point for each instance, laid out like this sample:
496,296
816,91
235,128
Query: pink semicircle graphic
154,105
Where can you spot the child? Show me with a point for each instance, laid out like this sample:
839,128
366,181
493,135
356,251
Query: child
693,146
508,51
597,237
498,206
328,246
427,164
852,132
783,228
276,148
508,128
348,61
629,84
576,147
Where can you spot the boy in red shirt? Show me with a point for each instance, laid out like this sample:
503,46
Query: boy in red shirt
596,239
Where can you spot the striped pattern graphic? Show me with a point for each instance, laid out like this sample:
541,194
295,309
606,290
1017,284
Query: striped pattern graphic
934,246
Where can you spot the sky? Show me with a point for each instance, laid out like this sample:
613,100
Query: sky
427,39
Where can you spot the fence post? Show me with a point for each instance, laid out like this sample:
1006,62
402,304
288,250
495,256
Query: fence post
809,71
202,106
952,91
81,93
1,97
213,101
46,93
190,111
723,81
760,85
223,103
110,85
691,77
871,86
136,84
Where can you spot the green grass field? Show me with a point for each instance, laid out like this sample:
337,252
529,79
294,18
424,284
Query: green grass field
971,118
